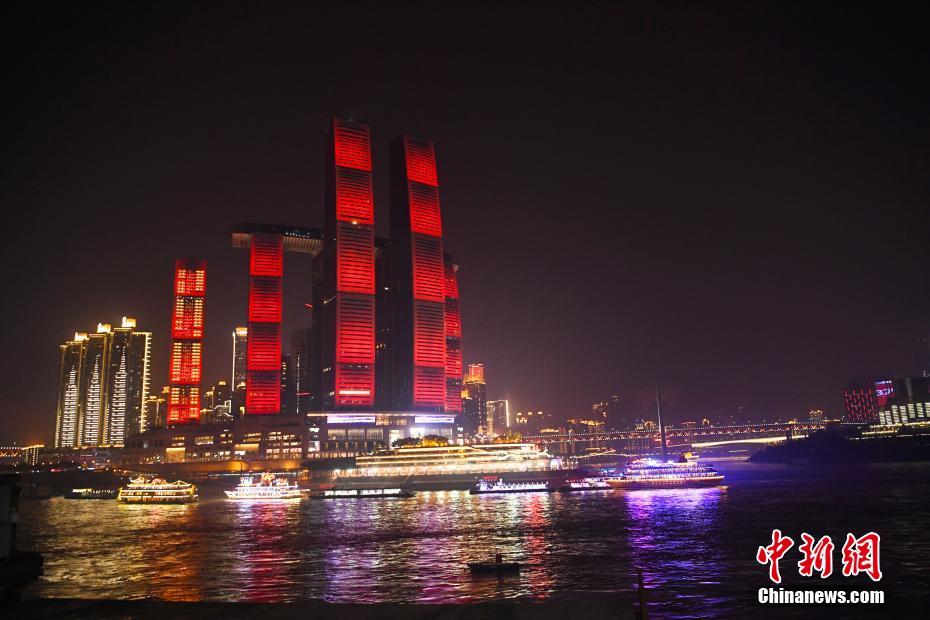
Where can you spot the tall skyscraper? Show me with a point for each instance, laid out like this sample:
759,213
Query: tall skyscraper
129,377
156,409
263,374
103,386
344,275
70,409
240,338
301,364
453,328
287,383
187,323
94,386
419,297
499,414
474,402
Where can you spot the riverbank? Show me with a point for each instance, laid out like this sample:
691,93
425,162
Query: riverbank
826,447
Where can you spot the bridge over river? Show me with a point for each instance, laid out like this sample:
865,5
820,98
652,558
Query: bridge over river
678,438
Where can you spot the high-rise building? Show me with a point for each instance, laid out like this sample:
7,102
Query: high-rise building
287,383
344,275
384,351
453,328
263,364
611,413
419,296
240,338
94,386
103,385
499,413
70,402
156,409
300,365
187,323
475,418
129,377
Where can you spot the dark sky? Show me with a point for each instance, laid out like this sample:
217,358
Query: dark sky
732,196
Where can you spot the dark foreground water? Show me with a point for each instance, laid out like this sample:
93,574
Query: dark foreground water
696,547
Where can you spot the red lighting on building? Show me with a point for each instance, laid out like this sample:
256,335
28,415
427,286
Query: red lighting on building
421,191
354,358
186,358
263,357
453,338
861,404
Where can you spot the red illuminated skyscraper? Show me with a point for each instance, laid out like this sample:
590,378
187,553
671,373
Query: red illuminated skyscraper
419,333
344,274
187,321
263,363
453,338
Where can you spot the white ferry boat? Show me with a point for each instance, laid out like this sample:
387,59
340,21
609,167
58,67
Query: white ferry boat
653,474
363,493
493,484
268,487
586,484
157,491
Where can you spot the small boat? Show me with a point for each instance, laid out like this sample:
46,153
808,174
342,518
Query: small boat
494,567
362,493
91,494
586,484
267,488
157,491
493,484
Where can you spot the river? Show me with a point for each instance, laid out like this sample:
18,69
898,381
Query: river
696,547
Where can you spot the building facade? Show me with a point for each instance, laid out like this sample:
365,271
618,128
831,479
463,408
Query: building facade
475,419
344,275
903,401
187,325
240,338
103,385
418,292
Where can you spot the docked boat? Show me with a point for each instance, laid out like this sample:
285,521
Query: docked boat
91,494
362,493
586,484
268,487
493,484
655,474
157,491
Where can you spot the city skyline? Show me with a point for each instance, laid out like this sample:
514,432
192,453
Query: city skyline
749,261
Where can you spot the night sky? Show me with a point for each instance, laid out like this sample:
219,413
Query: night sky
734,197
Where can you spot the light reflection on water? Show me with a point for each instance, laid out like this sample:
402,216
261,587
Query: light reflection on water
695,546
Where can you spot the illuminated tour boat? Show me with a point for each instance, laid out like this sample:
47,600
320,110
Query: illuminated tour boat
157,491
655,474
662,473
268,487
493,484
362,493
444,460
586,484
91,494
